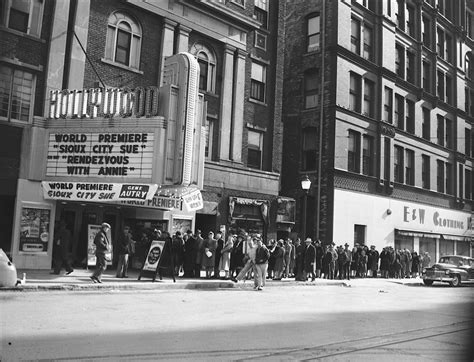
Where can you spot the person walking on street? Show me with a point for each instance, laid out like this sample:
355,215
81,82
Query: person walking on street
261,263
102,245
250,263
62,241
124,244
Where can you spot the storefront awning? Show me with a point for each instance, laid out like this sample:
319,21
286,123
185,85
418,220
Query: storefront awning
432,235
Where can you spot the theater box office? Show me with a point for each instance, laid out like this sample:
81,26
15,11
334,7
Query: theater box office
379,221
122,156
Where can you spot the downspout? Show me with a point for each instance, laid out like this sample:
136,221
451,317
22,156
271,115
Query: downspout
321,116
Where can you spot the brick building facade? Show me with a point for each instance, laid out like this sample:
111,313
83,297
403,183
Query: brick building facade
392,163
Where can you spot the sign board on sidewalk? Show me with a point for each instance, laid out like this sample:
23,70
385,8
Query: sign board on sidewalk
154,255
92,230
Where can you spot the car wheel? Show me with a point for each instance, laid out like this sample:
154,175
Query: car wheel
427,282
456,281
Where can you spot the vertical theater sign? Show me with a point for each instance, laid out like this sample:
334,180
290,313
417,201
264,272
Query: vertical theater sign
140,150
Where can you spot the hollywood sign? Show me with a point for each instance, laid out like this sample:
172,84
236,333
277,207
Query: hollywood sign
104,103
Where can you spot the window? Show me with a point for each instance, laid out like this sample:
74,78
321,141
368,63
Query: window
410,118
470,24
461,182
399,111
255,147
398,164
468,66
387,158
409,167
257,83
440,176
411,21
16,94
399,61
426,76
261,12
467,95
313,33
410,67
369,95
22,15
445,8
368,43
369,4
401,14
123,41
353,152
449,133
468,184
449,90
426,126
209,132
426,32
440,131
440,85
467,142
449,49
368,155
449,179
311,88
355,36
207,66
309,149
425,171
440,42
388,106
355,92
359,234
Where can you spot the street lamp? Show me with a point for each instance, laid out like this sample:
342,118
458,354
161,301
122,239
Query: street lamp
305,185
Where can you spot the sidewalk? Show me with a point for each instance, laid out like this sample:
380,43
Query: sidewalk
42,280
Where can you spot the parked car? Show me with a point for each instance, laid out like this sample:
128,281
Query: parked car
452,269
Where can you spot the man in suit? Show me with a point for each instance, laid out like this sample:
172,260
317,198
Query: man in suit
309,264
102,245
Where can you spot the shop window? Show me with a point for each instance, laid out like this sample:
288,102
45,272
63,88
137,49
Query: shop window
309,149
207,66
402,242
388,105
16,94
359,234
123,43
425,172
25,16
355,92
255,149
258,81
462,248
446,247
353,152
313,33
428,245
311,88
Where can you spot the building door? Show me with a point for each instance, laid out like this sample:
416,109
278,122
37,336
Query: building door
359,234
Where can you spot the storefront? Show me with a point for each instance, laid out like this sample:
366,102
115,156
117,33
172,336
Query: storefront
120,156
248,214
379,221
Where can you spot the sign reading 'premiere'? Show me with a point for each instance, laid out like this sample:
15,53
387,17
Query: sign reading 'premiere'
97,191
100,154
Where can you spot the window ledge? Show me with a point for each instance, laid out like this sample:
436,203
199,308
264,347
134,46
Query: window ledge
118,65
21,34
257,102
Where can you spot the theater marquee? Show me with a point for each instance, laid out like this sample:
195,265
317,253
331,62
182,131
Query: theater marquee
125,155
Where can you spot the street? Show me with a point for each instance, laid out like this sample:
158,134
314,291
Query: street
368,320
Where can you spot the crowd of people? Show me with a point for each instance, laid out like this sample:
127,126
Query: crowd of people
234,257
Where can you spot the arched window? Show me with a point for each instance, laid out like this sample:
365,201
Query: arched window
207,67
123,43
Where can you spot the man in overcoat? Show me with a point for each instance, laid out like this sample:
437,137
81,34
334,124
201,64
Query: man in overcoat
309,260
102,245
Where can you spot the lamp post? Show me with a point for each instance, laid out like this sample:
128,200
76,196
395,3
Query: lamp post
305,185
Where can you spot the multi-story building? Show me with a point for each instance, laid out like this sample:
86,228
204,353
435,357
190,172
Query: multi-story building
378,113
120,113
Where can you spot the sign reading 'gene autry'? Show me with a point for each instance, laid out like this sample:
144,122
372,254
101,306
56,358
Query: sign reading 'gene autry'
100,154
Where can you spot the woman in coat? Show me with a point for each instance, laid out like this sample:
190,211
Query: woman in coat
237,257
209,254
279,255
224,263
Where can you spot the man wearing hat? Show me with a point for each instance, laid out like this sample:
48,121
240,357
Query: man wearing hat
373,264
102,245
347,264
309,260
